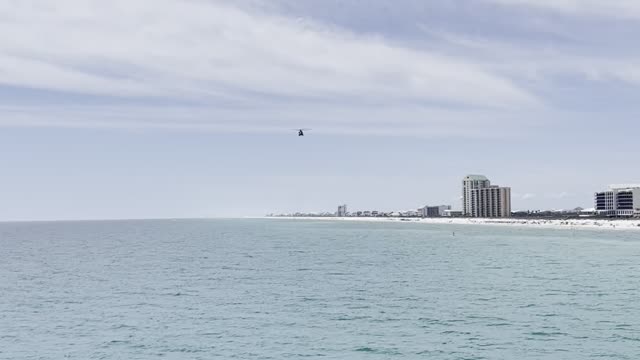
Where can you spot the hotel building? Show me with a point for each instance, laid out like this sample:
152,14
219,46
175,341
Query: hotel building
469,183
481,199
492,201
342,211
619,200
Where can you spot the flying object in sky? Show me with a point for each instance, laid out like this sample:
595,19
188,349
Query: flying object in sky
301,131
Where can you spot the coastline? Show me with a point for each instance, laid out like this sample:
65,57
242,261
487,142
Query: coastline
573,224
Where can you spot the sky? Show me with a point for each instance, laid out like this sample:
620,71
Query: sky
186,108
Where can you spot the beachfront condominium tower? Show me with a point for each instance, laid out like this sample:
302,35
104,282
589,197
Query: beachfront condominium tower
342,211
481,199
491,202
469,183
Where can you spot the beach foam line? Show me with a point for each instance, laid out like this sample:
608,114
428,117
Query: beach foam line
602,224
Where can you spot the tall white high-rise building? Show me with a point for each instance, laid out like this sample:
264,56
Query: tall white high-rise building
469,183
481,199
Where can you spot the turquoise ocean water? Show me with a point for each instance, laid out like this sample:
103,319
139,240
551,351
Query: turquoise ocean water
283,289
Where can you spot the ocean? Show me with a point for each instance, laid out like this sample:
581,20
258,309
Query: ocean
298,289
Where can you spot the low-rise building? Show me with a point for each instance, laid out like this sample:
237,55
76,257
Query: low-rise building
618,201
452,213
409,213
433,211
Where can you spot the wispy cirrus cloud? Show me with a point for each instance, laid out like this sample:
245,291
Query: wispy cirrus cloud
214,54
526,196
252,65
559,195
545,63
410,121
613,8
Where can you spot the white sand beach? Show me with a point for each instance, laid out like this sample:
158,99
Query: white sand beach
604,224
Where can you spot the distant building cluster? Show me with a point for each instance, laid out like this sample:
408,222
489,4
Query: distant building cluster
554,214
423,212
481,199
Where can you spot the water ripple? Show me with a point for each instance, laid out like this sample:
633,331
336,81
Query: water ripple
254,289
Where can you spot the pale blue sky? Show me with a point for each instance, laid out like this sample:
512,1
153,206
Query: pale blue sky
174,108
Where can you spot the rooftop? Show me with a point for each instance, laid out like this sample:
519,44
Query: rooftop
476,177
624,186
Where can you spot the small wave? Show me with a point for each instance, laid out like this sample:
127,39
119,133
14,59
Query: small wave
548,334
367,349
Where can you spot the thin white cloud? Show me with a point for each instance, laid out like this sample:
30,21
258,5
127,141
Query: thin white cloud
609,8
543,63
272,72
343,120
526,196
560,195
200,50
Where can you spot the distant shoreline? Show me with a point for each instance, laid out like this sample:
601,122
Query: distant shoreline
602,224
